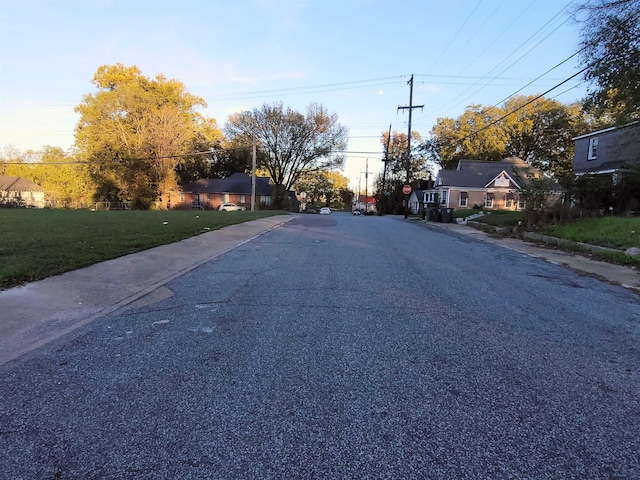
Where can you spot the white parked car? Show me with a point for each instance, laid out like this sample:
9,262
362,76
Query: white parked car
325,211
231,207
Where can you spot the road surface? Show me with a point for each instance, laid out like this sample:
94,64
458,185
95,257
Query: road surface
341,347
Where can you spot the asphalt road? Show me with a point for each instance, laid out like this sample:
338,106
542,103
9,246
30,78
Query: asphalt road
341,347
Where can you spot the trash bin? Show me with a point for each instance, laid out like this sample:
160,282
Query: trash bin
429,214
437,215
447,215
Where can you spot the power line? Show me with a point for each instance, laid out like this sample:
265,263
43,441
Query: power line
309,89
504,60
443,51
117,159
522,106
552,68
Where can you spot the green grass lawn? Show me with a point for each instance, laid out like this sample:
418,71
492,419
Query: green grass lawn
619,233
611,232
35,244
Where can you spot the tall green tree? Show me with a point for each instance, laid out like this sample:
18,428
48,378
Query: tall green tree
542,133
538,131
395,150
135,132
611,53
388,185
294,144
323,188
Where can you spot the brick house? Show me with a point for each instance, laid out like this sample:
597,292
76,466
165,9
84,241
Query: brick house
210,193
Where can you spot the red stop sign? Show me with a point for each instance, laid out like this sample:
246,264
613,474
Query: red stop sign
406,189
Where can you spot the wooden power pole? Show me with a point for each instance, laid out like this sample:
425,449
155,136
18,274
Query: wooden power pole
409,107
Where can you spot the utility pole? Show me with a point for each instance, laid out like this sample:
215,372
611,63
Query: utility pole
253,173
410,107
366,188
383,198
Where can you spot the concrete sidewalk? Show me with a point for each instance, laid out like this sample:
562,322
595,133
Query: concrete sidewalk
39,312
627,277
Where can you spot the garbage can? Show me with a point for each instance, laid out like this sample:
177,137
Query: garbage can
437,215
429,214
447,215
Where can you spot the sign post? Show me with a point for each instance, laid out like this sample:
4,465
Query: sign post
406,189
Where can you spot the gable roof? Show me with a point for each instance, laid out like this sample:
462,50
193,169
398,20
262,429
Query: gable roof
482,174
238,183
18,184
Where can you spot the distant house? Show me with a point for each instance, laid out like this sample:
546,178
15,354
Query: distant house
21,192
364,203
608,150
418,195
415,200
210,193
490,185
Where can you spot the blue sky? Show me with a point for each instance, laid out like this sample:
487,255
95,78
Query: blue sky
355,57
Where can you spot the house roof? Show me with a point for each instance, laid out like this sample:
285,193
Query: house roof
481,174
586,135
18,184
238,183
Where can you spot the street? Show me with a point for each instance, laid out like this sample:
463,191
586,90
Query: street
342,347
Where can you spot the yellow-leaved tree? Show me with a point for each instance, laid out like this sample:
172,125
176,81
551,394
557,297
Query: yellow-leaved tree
135,131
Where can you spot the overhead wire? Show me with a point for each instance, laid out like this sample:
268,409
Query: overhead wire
487,75
455,36
537,97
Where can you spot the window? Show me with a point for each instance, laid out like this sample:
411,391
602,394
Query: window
521,202
488,200
181,197
593,148
443,197
463,199
508,200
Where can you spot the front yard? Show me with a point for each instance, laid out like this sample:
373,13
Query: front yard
619,233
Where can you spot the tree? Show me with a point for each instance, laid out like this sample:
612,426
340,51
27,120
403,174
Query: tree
324,188
542,133
135,132
397,156
65,180
472,135
611,54
388,185
539,131
294,144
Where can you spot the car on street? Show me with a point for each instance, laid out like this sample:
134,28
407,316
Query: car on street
325,211
310,210
231,207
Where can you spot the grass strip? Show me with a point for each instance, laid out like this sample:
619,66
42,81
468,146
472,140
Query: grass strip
36,244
